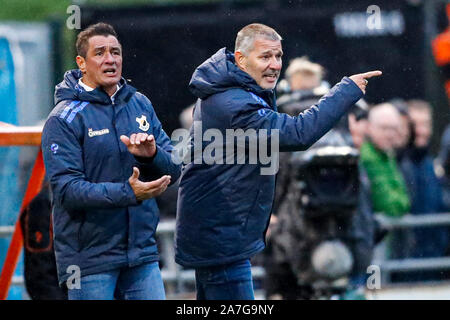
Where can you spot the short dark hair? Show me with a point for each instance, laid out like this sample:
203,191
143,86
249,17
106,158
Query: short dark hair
359,112
98,29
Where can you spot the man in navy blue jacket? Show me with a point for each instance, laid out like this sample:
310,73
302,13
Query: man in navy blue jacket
106,158
224,208
425,189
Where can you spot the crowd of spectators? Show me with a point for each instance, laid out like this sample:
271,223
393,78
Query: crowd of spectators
398,176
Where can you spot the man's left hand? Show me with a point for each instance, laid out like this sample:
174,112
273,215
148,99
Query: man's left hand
140,144
361,81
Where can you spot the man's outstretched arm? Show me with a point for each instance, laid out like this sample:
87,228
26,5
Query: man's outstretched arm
299,133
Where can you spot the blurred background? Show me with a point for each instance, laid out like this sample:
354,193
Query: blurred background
165,40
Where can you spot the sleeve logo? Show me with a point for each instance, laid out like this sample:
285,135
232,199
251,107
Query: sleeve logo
54,148
261,112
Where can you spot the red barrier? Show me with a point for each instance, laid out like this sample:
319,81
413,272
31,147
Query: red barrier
20,136
441,51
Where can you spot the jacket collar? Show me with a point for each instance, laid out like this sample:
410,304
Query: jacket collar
220,73
70,89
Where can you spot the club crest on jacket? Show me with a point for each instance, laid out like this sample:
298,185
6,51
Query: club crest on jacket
143,123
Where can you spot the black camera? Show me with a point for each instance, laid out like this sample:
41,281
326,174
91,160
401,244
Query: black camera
327,182
316,216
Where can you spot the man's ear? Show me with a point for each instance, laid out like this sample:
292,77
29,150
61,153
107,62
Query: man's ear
240,58
81,62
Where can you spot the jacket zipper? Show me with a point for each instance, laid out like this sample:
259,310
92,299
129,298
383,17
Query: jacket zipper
123,175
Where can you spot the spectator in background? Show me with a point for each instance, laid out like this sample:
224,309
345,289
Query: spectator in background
185,116
404,143
167,201
303,74
40,273
444,166
405,132
424,187
304,83
358,124
388,190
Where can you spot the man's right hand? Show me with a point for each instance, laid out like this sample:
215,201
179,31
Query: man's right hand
147,190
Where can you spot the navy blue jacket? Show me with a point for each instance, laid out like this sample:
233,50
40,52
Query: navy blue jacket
224,209
425,191
98,223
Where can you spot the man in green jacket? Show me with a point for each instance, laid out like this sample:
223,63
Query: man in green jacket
388,189
389,193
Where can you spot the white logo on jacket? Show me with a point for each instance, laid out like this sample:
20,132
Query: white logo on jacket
143,123
95,133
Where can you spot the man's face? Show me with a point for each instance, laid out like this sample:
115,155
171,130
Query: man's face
403,132
422,127
358,129
383,130
263,63
304,81
102,66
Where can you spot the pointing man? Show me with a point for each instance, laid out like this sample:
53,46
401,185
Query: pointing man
224,209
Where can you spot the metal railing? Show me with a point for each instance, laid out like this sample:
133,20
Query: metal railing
174,276
179,280
6,231
408,221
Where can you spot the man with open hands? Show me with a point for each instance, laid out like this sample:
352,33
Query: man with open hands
106,157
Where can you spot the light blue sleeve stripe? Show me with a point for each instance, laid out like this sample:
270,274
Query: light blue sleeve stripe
67,109
259,99
75,111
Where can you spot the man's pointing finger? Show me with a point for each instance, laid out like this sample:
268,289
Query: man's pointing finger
371,74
